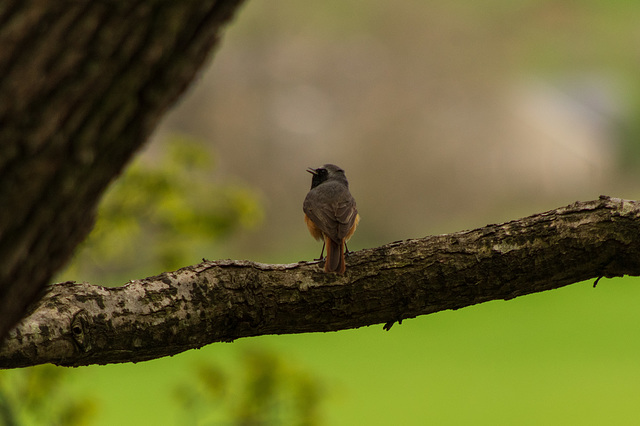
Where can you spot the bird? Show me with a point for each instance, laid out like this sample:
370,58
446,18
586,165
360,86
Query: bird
330,214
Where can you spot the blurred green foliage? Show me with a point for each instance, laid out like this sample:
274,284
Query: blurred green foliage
160,212
269,390
40,396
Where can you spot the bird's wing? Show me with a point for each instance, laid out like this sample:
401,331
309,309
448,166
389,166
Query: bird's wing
345,214
322,216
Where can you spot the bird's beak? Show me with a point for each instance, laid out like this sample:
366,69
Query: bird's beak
312,170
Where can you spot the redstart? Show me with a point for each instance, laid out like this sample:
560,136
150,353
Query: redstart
330,213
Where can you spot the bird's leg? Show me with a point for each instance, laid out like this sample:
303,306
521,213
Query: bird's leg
321,252
347,252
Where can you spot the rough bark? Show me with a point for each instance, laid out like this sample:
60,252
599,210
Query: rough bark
80,324
83,85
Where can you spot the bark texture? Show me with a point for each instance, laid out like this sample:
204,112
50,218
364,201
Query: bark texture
83,85
80,324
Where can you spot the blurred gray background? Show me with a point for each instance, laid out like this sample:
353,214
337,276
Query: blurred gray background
445,115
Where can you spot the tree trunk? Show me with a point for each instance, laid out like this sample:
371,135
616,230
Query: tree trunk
83,85
80,324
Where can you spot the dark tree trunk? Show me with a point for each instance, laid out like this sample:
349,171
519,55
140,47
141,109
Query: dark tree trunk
83,85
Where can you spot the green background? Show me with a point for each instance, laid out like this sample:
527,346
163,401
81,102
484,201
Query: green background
566,356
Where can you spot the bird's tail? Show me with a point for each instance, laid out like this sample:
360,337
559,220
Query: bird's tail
335,256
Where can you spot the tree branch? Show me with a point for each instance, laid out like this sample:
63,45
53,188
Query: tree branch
81,324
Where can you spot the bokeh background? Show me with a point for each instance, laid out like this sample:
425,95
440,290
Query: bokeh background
446,116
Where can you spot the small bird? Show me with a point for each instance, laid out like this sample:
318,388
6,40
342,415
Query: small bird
330,213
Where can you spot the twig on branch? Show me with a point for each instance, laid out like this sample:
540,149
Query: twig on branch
81,324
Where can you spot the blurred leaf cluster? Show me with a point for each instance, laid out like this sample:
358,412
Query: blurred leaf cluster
269,391
162,212
38,396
